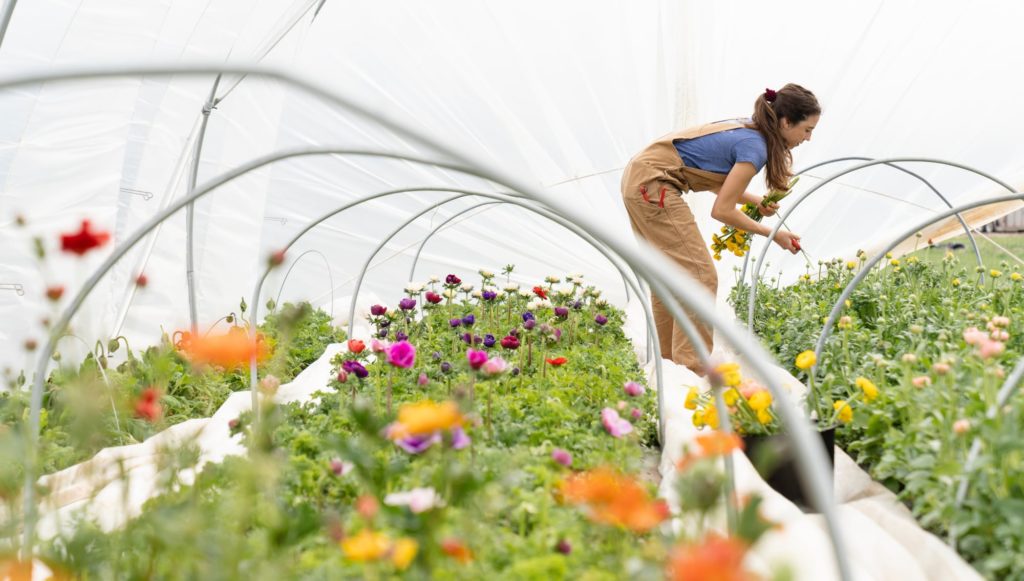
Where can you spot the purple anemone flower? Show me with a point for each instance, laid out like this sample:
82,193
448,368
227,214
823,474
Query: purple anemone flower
489,295
452,279
446,367
459,438
383,333
600,319
529,324
455,322
356,368
378,310
468,320
418,444
528,316
400,336
407,304
577,305
561,312
489,340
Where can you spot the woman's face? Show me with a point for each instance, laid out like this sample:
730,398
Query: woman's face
800,132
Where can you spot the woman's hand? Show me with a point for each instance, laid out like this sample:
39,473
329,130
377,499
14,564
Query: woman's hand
768,210
788,241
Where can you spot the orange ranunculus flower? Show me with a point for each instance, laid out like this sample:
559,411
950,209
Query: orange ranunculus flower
615,499
557,361
714,443
425,417
714,559
231,350
457,550
356,345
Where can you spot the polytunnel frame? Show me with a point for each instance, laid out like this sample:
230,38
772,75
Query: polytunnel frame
1009,386
967,229
500,198
752,293
646,262
330,276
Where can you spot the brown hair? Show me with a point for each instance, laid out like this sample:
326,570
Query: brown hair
793,103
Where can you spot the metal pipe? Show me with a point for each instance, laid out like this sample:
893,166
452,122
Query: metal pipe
330,277
193,174
643,258
967,229
760,259
5,18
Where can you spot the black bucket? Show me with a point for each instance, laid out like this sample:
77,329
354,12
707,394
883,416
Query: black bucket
775,460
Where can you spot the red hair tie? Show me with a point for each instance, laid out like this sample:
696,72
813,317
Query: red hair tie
769,95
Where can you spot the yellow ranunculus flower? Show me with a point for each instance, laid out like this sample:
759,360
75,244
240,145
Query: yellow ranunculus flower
806,360
895,262
845,411
1016,276
365,546
851,265
764,417
995,273
730,373
870,389
691,399
956,282
730,396
426,417
760,400
698,419
404,552
711,417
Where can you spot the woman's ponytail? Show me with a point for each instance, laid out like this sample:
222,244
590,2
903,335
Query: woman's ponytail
793,103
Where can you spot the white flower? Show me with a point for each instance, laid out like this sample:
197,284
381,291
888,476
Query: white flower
525,293
435,278
566,291
538,303
449,293
477,294
511,287
466,287
414,288
499,293
418,499
578,281
552,279
486,273
600,302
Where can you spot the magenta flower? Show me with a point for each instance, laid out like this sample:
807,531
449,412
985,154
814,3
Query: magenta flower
378,310
455,322
633,389
529,324
561,312
407,304
636,413
378,346
422,379
402,354
476,358
561,456
433,298
452,279
600,319
615,425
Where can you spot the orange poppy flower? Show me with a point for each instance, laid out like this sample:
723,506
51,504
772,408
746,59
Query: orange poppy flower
425,417
232,350
714,559
711,444
457,550
615,499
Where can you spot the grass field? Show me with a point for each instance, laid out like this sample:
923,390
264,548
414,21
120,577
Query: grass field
995,249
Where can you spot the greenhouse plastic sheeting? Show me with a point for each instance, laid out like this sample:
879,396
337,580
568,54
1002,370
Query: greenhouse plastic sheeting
559,94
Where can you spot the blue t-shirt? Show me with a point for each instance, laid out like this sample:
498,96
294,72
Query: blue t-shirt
720,151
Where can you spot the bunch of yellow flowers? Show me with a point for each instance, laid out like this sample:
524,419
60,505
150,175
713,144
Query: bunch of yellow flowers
749,403
736,240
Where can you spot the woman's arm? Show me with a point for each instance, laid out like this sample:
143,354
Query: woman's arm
731,193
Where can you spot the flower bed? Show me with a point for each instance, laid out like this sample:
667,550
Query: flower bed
918,357
504,434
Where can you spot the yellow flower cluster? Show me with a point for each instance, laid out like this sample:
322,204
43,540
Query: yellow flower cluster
750,404
368,545
870,389
737,241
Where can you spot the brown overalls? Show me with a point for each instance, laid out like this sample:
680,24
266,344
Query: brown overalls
652,187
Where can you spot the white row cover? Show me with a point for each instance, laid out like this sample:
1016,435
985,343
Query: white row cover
558,94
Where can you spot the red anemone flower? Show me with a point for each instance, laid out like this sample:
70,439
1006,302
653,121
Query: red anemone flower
557,361
540,292
84,240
